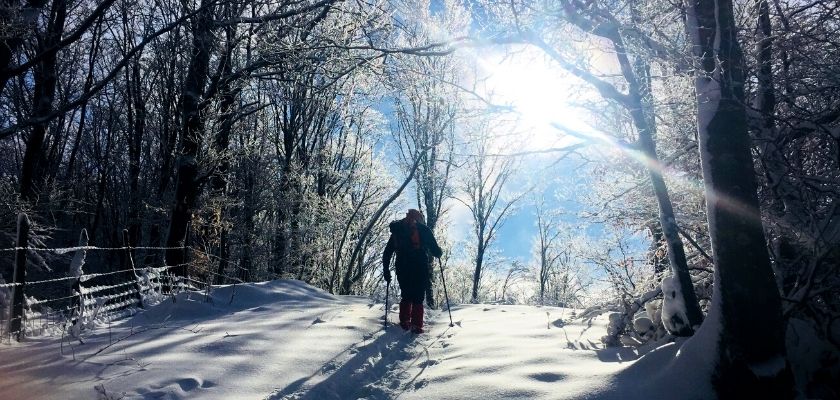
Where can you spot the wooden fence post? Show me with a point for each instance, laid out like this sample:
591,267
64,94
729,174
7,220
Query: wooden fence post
18,315
77,270
130,258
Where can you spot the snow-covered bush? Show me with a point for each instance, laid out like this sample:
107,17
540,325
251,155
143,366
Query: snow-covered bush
88,314
151,286
644,326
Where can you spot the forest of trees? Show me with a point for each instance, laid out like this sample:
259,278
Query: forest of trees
257,140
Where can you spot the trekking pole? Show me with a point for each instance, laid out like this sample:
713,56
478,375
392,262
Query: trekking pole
445,293
387,293
387,288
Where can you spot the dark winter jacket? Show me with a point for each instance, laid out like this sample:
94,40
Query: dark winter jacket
412,264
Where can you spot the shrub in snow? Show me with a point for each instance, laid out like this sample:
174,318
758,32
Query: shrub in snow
654,311
640,322
673,308
644,326
614,329
89,311
151,287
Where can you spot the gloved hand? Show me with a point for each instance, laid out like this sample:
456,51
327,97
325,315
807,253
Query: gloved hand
387,277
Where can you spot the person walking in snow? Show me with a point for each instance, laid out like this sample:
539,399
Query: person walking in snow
415,246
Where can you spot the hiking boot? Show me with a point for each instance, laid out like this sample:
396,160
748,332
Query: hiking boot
405,314
417,318
417,330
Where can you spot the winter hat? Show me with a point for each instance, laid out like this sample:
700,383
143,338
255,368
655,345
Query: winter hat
416,216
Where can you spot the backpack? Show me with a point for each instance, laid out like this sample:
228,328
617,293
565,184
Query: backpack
406,235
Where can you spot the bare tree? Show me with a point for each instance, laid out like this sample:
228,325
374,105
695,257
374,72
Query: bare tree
485,192
548,236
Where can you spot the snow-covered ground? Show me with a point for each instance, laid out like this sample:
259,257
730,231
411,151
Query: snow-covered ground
287,340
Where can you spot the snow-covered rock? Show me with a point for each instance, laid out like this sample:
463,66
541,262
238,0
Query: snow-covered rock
673,307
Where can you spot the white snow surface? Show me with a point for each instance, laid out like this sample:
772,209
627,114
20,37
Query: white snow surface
287,340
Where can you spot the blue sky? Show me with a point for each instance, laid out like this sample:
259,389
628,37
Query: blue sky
517,234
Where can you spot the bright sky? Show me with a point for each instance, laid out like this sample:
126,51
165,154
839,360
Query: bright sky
540,95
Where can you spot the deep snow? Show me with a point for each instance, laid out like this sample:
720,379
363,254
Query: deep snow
287,340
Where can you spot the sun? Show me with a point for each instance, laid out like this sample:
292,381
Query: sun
538,93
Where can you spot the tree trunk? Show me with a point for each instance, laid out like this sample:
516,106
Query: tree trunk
168,133
221,142
104,169
248,205
137,110
668,224
655,259
282,243
637,75
187,186
785,204
94,51
44,94
751,350
479,263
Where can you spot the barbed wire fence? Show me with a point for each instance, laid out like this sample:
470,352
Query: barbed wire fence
78,300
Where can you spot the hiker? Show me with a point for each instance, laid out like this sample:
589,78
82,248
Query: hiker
415,246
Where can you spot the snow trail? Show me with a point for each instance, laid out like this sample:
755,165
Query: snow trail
382,366
285,340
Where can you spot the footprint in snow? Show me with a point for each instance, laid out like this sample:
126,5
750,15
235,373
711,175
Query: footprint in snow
428,363
183,385
546,377
318,321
